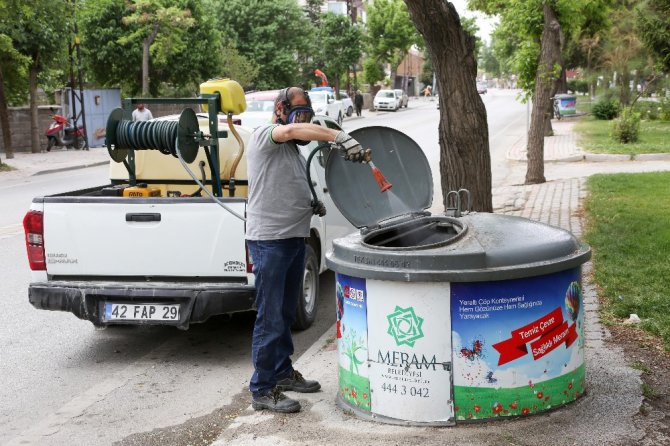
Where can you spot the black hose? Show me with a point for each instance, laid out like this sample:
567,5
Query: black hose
315,199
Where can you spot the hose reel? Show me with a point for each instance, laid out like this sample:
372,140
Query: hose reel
165,136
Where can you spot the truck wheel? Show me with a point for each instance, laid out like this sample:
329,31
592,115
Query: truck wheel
350,111
339,119
310,292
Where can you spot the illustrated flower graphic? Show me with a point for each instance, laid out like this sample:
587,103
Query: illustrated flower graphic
477,408
365,396
497,408
524,411
513,405
569,385
405,326
353,392
540,395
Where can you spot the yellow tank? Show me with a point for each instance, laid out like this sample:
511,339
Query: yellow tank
231,93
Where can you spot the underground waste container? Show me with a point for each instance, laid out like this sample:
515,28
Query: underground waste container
567,104
443,319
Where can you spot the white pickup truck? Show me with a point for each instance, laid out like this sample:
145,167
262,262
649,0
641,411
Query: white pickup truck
173,259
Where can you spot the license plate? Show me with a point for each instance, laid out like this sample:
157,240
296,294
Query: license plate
141,312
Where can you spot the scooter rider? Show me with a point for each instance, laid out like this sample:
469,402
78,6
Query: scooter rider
279,211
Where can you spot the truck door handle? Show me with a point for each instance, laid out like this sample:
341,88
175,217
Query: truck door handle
143,217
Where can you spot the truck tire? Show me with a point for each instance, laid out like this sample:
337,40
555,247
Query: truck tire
310,292
350,111
339,119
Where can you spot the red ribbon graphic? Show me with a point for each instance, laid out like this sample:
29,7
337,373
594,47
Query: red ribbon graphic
551,331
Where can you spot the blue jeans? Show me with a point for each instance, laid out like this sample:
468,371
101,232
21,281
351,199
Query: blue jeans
279,268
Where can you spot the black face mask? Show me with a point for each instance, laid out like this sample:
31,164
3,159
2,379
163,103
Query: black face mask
299,114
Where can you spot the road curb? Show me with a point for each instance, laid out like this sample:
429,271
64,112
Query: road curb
64,169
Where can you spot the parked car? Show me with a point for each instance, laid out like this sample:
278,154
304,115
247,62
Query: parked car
481,87
324,103
347,103
404,99
260,105
386,100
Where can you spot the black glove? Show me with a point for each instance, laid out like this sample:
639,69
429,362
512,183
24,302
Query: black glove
318,208
352,149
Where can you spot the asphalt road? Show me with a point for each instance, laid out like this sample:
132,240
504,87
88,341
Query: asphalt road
64,382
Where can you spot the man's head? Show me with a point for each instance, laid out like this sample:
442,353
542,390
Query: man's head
293,105
140,107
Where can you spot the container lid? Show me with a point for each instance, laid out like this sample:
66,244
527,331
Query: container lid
353,187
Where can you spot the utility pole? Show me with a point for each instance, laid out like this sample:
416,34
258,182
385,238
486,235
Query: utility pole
73,46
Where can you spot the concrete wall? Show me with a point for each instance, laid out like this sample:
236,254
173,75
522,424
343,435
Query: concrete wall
19,123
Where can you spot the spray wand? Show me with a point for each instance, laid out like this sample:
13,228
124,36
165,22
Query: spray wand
383,184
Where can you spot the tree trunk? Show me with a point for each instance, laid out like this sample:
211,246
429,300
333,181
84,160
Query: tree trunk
625,87
4,120
465,160
146,44
544,83
34,122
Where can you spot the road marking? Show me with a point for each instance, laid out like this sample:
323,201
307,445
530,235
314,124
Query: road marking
11,230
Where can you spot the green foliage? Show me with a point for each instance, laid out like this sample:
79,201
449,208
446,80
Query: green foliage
14,67
31,38
340,45
427,71
628,231
578,86
112,50
606,108
595,137
649,110
488,61
373,71
273,35
390,31
665,110
653,26
626,129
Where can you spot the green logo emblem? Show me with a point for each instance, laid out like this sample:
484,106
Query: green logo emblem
405,326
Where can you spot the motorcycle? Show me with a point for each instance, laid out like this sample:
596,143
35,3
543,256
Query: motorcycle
61,134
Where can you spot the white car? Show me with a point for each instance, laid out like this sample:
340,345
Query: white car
386,100
324,103
347,103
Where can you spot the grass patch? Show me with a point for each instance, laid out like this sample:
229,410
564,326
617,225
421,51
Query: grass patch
594,137
584,104
629,231
4,167
637,365
648,391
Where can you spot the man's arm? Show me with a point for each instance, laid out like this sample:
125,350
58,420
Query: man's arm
304,132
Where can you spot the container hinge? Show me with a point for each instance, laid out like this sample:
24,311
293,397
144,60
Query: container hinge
454,203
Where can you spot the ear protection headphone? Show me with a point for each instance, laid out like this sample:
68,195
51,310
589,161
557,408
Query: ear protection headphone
296,113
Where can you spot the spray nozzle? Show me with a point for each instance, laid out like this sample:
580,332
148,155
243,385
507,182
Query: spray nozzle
383,184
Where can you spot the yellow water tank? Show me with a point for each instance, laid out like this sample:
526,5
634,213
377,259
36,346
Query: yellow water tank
230,92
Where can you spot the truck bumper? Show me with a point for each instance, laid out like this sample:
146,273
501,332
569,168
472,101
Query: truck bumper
197,302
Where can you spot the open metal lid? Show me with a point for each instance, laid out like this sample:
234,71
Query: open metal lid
353,187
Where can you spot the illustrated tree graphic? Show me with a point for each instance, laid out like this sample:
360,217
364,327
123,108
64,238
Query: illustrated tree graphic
352,344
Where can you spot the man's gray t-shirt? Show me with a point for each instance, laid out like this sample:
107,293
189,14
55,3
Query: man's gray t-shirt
279,205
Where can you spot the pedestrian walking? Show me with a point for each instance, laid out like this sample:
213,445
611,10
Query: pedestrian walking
427,92
279,211
358,102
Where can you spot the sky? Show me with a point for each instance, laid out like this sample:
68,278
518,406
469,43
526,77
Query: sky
485,24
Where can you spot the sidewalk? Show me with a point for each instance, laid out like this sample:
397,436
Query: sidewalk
28,164
604,416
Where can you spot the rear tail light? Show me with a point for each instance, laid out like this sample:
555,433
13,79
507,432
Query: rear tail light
250,261
33,224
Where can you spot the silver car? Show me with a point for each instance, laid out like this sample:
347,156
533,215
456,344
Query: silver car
403,98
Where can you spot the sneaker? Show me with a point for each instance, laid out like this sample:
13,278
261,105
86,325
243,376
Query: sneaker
297,383
274,400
